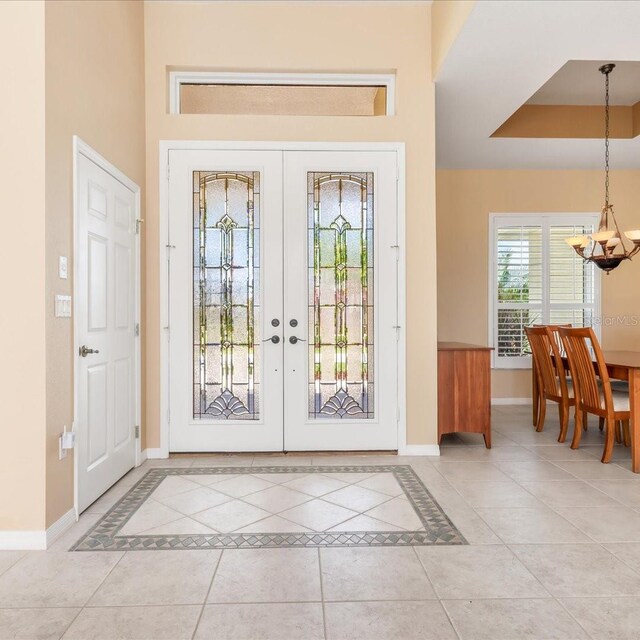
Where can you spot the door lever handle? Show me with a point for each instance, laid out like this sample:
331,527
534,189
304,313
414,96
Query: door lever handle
274,339
295,339
85,351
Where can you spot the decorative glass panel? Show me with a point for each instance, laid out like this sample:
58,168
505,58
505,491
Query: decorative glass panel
226,295
340,262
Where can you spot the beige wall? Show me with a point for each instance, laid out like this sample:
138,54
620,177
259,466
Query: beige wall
94,89
22,208
447,18
464,201
292,36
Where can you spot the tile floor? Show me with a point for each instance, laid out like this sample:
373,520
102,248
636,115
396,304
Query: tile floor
271,506
553,553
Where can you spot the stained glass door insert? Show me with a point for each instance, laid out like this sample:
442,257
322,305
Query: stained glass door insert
226,307
340,263
340,302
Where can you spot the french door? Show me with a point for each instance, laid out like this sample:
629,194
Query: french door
282,300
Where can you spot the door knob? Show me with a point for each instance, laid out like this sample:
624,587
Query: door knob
274,339
85,351
295,339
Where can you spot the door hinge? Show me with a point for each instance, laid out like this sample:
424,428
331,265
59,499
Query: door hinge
137,329
397,327
139,221
137,431
397,248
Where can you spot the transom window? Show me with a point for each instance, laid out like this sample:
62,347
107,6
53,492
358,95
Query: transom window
536,278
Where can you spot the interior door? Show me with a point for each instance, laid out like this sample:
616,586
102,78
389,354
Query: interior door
225,310
341,259
106,271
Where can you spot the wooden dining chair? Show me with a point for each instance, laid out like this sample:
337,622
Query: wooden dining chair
592,388
551,376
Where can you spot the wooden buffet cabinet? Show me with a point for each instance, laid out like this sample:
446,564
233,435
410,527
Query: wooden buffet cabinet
464,389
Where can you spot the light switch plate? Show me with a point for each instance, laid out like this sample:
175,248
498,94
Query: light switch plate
63,307
62,267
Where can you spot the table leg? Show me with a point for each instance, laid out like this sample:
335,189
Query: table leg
634,401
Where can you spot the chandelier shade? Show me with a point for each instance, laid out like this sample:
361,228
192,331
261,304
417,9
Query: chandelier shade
606,247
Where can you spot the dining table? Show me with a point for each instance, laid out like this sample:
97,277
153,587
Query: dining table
621,365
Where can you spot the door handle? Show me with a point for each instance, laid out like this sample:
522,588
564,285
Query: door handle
85,351
274,339
295,339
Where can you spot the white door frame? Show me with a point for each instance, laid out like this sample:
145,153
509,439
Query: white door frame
81,148
168,145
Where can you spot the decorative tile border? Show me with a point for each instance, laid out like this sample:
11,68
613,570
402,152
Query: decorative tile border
439,530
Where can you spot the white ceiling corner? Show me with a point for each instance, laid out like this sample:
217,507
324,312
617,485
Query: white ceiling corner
505,52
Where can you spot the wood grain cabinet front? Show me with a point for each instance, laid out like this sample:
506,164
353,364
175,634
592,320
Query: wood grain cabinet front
464,389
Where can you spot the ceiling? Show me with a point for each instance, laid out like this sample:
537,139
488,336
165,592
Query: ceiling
580,83
506,51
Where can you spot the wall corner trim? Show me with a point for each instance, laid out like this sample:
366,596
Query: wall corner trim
419,450
60,526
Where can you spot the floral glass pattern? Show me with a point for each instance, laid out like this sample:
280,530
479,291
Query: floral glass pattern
226,268
340,264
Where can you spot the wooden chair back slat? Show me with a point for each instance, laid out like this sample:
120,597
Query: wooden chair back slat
579,344
542,348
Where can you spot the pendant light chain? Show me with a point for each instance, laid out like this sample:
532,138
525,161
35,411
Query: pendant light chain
606,141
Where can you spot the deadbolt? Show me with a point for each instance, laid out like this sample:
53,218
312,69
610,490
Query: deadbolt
275,322
293,322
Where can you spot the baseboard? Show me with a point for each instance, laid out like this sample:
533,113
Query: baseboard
508,401
60,526
419,450
23,540
142,457
155,454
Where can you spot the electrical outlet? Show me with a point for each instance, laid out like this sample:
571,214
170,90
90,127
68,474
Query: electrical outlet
62,453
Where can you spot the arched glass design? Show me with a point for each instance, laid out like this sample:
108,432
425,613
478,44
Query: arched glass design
226,300
341,311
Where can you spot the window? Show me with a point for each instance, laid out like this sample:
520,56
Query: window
298,94
536,278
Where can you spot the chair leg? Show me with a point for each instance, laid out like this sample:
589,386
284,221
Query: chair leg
601,424
585,420
618,432
577,428
609,437
564,421
542,414
626,433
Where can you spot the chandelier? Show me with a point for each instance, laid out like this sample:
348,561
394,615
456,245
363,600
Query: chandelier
606,248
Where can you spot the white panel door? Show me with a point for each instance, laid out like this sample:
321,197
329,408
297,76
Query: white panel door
341,260
106,272
225,309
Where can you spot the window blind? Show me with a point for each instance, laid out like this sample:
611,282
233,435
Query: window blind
537,279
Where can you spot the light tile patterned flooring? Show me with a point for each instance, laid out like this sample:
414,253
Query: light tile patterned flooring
554,553
274,503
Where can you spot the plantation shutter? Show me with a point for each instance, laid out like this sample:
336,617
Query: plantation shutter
571,279
518,280
537,279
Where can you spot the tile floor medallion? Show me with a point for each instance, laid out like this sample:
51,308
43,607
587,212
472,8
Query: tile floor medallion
260,507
